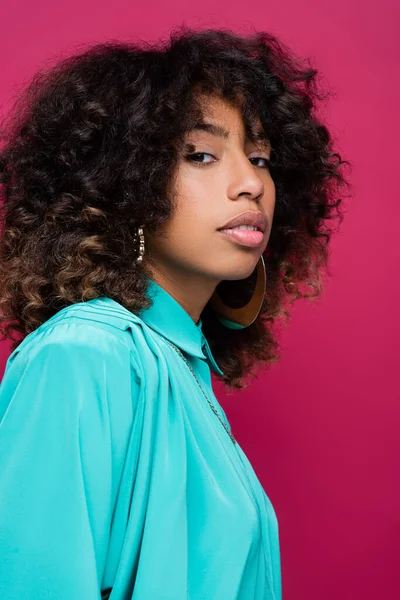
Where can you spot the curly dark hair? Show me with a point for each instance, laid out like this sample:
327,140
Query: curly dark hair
89,153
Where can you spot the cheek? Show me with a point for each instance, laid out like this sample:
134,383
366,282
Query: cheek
197,209
192,227
269,198
199,183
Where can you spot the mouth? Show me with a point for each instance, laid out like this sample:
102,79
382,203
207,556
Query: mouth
244,237
255,219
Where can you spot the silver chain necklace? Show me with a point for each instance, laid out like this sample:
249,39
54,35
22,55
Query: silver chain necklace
205,395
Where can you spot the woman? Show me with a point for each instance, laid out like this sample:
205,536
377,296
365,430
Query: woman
127,281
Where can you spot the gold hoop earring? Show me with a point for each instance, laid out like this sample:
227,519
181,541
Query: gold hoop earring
239,318
140,255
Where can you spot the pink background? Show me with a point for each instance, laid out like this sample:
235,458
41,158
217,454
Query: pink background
321,427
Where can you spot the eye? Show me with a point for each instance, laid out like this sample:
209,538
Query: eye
267,160
191,157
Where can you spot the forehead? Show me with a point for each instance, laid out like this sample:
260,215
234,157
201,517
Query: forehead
215,107
221,118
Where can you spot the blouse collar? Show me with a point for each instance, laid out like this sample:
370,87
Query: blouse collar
171,320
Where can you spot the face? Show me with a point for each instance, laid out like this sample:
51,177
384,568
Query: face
217,178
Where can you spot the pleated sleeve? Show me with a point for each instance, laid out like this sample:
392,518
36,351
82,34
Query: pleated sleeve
65,409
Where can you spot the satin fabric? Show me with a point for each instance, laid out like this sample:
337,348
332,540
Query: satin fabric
116,478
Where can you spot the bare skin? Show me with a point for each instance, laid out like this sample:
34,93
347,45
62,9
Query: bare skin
228,177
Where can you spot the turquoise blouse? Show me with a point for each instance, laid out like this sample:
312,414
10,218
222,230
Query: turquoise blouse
115,472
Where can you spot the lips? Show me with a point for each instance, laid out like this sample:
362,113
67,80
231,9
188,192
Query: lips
250,217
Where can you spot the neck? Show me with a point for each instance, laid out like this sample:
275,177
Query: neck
190,290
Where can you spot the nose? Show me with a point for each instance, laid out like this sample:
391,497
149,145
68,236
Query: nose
244,180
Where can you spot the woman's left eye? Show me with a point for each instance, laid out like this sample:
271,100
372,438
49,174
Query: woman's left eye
262,158
197,154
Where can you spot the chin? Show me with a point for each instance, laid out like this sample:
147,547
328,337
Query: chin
239,271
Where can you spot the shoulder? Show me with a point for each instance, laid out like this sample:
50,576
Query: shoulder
75,366
72,338
70,349
98,325
72,367
99,329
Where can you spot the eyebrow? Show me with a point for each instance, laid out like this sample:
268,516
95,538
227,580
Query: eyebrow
219,131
